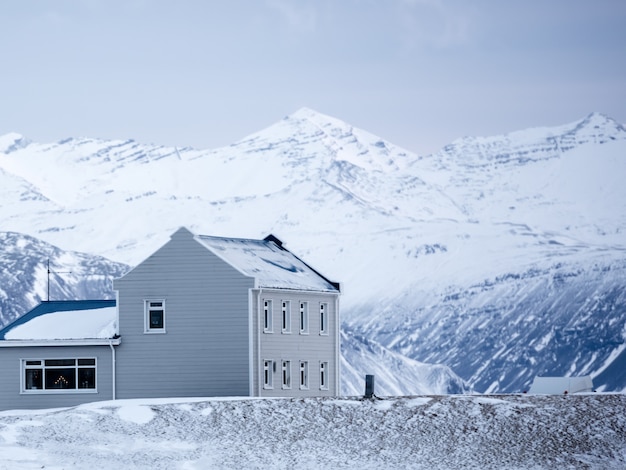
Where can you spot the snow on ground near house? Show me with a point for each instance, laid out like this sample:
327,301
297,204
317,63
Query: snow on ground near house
426,432
94,323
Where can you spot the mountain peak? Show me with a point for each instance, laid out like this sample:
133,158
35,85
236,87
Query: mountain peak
318,119
595,128
305,113
596,120
12,141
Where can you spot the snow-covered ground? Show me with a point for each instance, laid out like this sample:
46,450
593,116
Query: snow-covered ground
424,432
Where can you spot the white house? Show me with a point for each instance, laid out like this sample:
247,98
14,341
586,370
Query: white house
202,316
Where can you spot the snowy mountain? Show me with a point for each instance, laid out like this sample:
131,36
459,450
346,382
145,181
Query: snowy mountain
501,257
394,373
32,271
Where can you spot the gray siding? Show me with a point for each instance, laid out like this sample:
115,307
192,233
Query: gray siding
313,347
10,371
205,349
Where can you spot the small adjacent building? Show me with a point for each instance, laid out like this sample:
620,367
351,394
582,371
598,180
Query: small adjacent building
61,353
202,316
561,385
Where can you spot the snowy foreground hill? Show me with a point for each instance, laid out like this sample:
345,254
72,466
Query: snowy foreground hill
499,258
425,432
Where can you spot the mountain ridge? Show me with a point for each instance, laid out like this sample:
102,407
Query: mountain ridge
415,240
34,271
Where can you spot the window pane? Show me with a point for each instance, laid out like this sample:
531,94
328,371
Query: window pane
156,318
267,373
267,316
60,378
286,316
304,317
86,362
86,377
60,362
33,363
323,378
286,374
323,318
34,379
304,379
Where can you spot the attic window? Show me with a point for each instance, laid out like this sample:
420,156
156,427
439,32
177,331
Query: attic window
154,311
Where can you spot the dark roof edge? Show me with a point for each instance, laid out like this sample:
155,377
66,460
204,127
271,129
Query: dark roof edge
275,240
279,244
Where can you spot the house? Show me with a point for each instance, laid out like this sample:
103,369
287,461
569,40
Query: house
202,316
61,353
560,385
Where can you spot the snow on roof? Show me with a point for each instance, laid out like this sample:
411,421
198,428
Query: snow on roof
68,321
268,262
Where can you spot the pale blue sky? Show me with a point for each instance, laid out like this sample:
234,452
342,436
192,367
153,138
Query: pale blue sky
419,73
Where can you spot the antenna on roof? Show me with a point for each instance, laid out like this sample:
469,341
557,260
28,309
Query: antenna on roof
53,272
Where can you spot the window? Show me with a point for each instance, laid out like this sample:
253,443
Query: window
286,373
267,316
323,375
304,318
304,375
268,374
155,316
286,316
323,319
59,374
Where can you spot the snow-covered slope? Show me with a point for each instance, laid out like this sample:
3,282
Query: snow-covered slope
24,278
425,432
500,257
394,373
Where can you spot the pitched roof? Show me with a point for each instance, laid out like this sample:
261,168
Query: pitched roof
66,320
272,265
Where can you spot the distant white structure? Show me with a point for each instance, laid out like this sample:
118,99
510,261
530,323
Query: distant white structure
558,385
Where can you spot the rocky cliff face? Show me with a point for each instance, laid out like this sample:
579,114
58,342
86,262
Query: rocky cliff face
32,271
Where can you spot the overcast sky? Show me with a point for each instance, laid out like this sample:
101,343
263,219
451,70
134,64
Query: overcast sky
419,73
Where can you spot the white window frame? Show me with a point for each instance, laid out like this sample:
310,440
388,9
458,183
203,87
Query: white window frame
268,316
323,375
304,375
286,316
43,368
324,318
286,374
268,374
147,308
304,318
